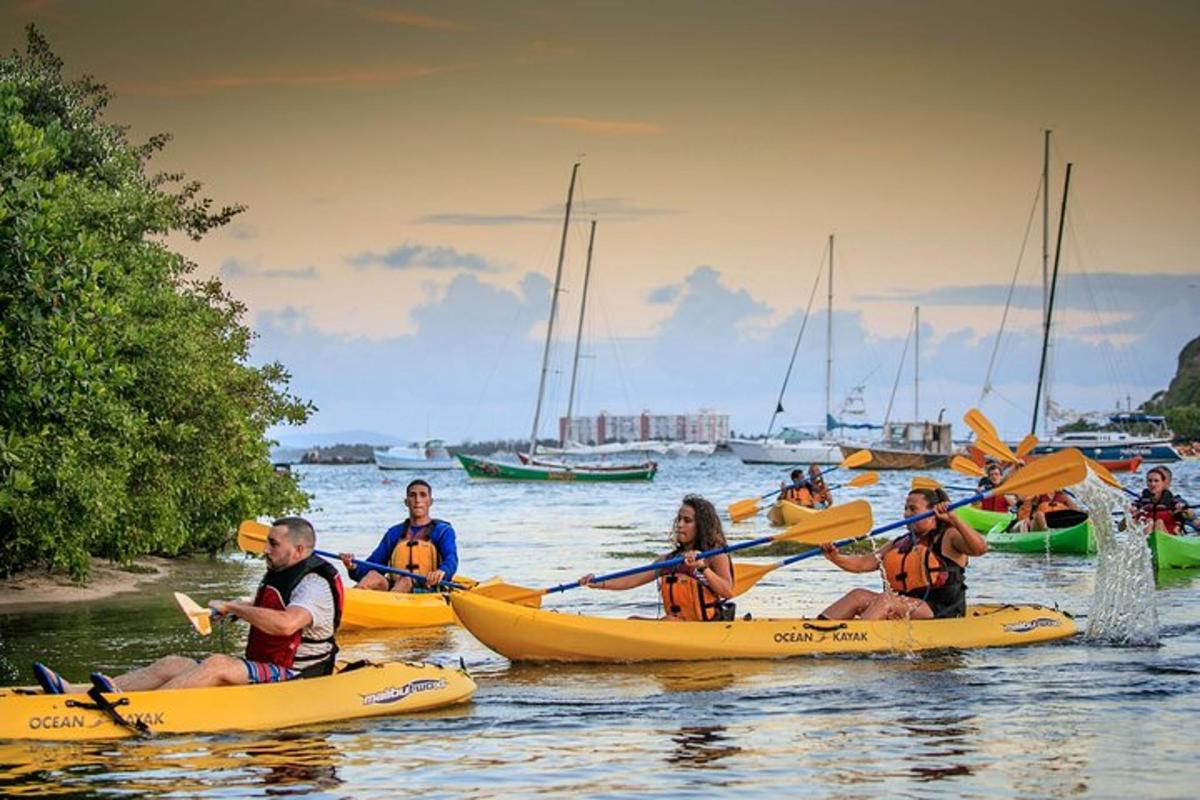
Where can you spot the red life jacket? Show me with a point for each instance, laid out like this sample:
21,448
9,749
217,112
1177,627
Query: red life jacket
996,502
275,592
1162,510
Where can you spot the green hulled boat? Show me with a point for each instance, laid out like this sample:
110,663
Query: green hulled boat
505,471
1077,539
1175,552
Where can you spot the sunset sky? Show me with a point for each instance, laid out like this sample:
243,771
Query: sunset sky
405,166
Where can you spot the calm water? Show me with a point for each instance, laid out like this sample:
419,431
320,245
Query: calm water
1070,718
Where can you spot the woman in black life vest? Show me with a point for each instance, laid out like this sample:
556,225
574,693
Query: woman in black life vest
696,590
923,568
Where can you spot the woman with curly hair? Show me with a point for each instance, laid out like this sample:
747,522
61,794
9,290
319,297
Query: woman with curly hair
697,589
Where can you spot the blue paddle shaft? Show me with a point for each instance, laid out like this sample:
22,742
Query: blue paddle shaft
381,568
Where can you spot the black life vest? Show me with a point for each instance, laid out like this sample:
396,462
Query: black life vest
275,592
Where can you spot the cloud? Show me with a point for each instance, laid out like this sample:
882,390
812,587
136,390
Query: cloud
409,19
242,232
663,295
364,79
607,209
476,348
234,268
464,218
411,256
601,127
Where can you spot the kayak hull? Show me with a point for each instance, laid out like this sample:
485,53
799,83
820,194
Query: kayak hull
373,690
981,519
525,634
563,473
367,610
785,512
1175,552
1078,539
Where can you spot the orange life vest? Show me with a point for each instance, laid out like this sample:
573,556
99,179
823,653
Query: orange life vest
1044,503
688,598
801,496
910,566
416,554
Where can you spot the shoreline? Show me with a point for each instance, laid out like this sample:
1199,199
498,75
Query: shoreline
34,588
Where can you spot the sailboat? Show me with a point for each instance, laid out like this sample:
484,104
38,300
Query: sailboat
793,446
909,445
534,469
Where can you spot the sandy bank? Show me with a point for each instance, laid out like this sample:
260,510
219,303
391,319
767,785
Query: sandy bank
34,588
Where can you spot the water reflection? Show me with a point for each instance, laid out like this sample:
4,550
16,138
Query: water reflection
701,746
945,737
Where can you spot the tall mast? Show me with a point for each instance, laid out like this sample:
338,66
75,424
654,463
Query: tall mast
562,251
1046,259
829,343
1050,304
917,364
587,274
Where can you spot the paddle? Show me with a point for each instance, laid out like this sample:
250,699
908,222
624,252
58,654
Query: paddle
989,438
1026,445
252,537
748,507
200,617
821,526
1040,477
967,467
982,426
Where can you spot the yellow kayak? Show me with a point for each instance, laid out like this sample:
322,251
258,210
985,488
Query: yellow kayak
785,512
366,609
528,634
369,691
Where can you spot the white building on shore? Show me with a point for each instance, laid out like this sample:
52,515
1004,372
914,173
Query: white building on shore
704,427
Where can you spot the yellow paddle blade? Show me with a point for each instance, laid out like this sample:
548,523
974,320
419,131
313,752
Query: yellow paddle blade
966,466
1047,474
863,480
979,423
1026,445
509,593
201,618
1102,472
922,482
833,524
252,536
996,449
743,509
856,459
746,575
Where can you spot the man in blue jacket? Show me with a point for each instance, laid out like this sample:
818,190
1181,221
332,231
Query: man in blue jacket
420,544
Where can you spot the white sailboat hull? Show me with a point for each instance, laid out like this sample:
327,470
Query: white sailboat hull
776,451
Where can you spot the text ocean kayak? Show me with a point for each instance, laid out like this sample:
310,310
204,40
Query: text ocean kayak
369,691
1175,552
527,634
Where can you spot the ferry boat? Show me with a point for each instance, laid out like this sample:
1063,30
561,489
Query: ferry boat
1117,445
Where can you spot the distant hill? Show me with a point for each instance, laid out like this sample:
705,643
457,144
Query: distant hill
1184,389
305,439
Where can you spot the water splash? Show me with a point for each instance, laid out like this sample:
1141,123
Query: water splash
1123,609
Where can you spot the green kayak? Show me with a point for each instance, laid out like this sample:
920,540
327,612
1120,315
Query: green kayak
983,521
1077,539
1175,552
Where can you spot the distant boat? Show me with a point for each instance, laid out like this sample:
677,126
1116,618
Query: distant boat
535,470
1117,445
421,456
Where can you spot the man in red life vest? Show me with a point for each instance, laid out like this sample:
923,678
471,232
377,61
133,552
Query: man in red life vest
293,619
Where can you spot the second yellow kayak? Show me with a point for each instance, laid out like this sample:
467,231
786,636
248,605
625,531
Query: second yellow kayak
529,634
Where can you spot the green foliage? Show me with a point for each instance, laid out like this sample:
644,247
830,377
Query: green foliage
130,419
1184,421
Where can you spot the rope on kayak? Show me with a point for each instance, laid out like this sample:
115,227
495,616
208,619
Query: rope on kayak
101,703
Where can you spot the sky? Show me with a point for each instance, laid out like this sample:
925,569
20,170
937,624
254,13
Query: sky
405,167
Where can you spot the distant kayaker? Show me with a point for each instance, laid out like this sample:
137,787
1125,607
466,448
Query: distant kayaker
1045,512
810,491
991,479
1162,510
293,620
699,588
923,568
420,544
